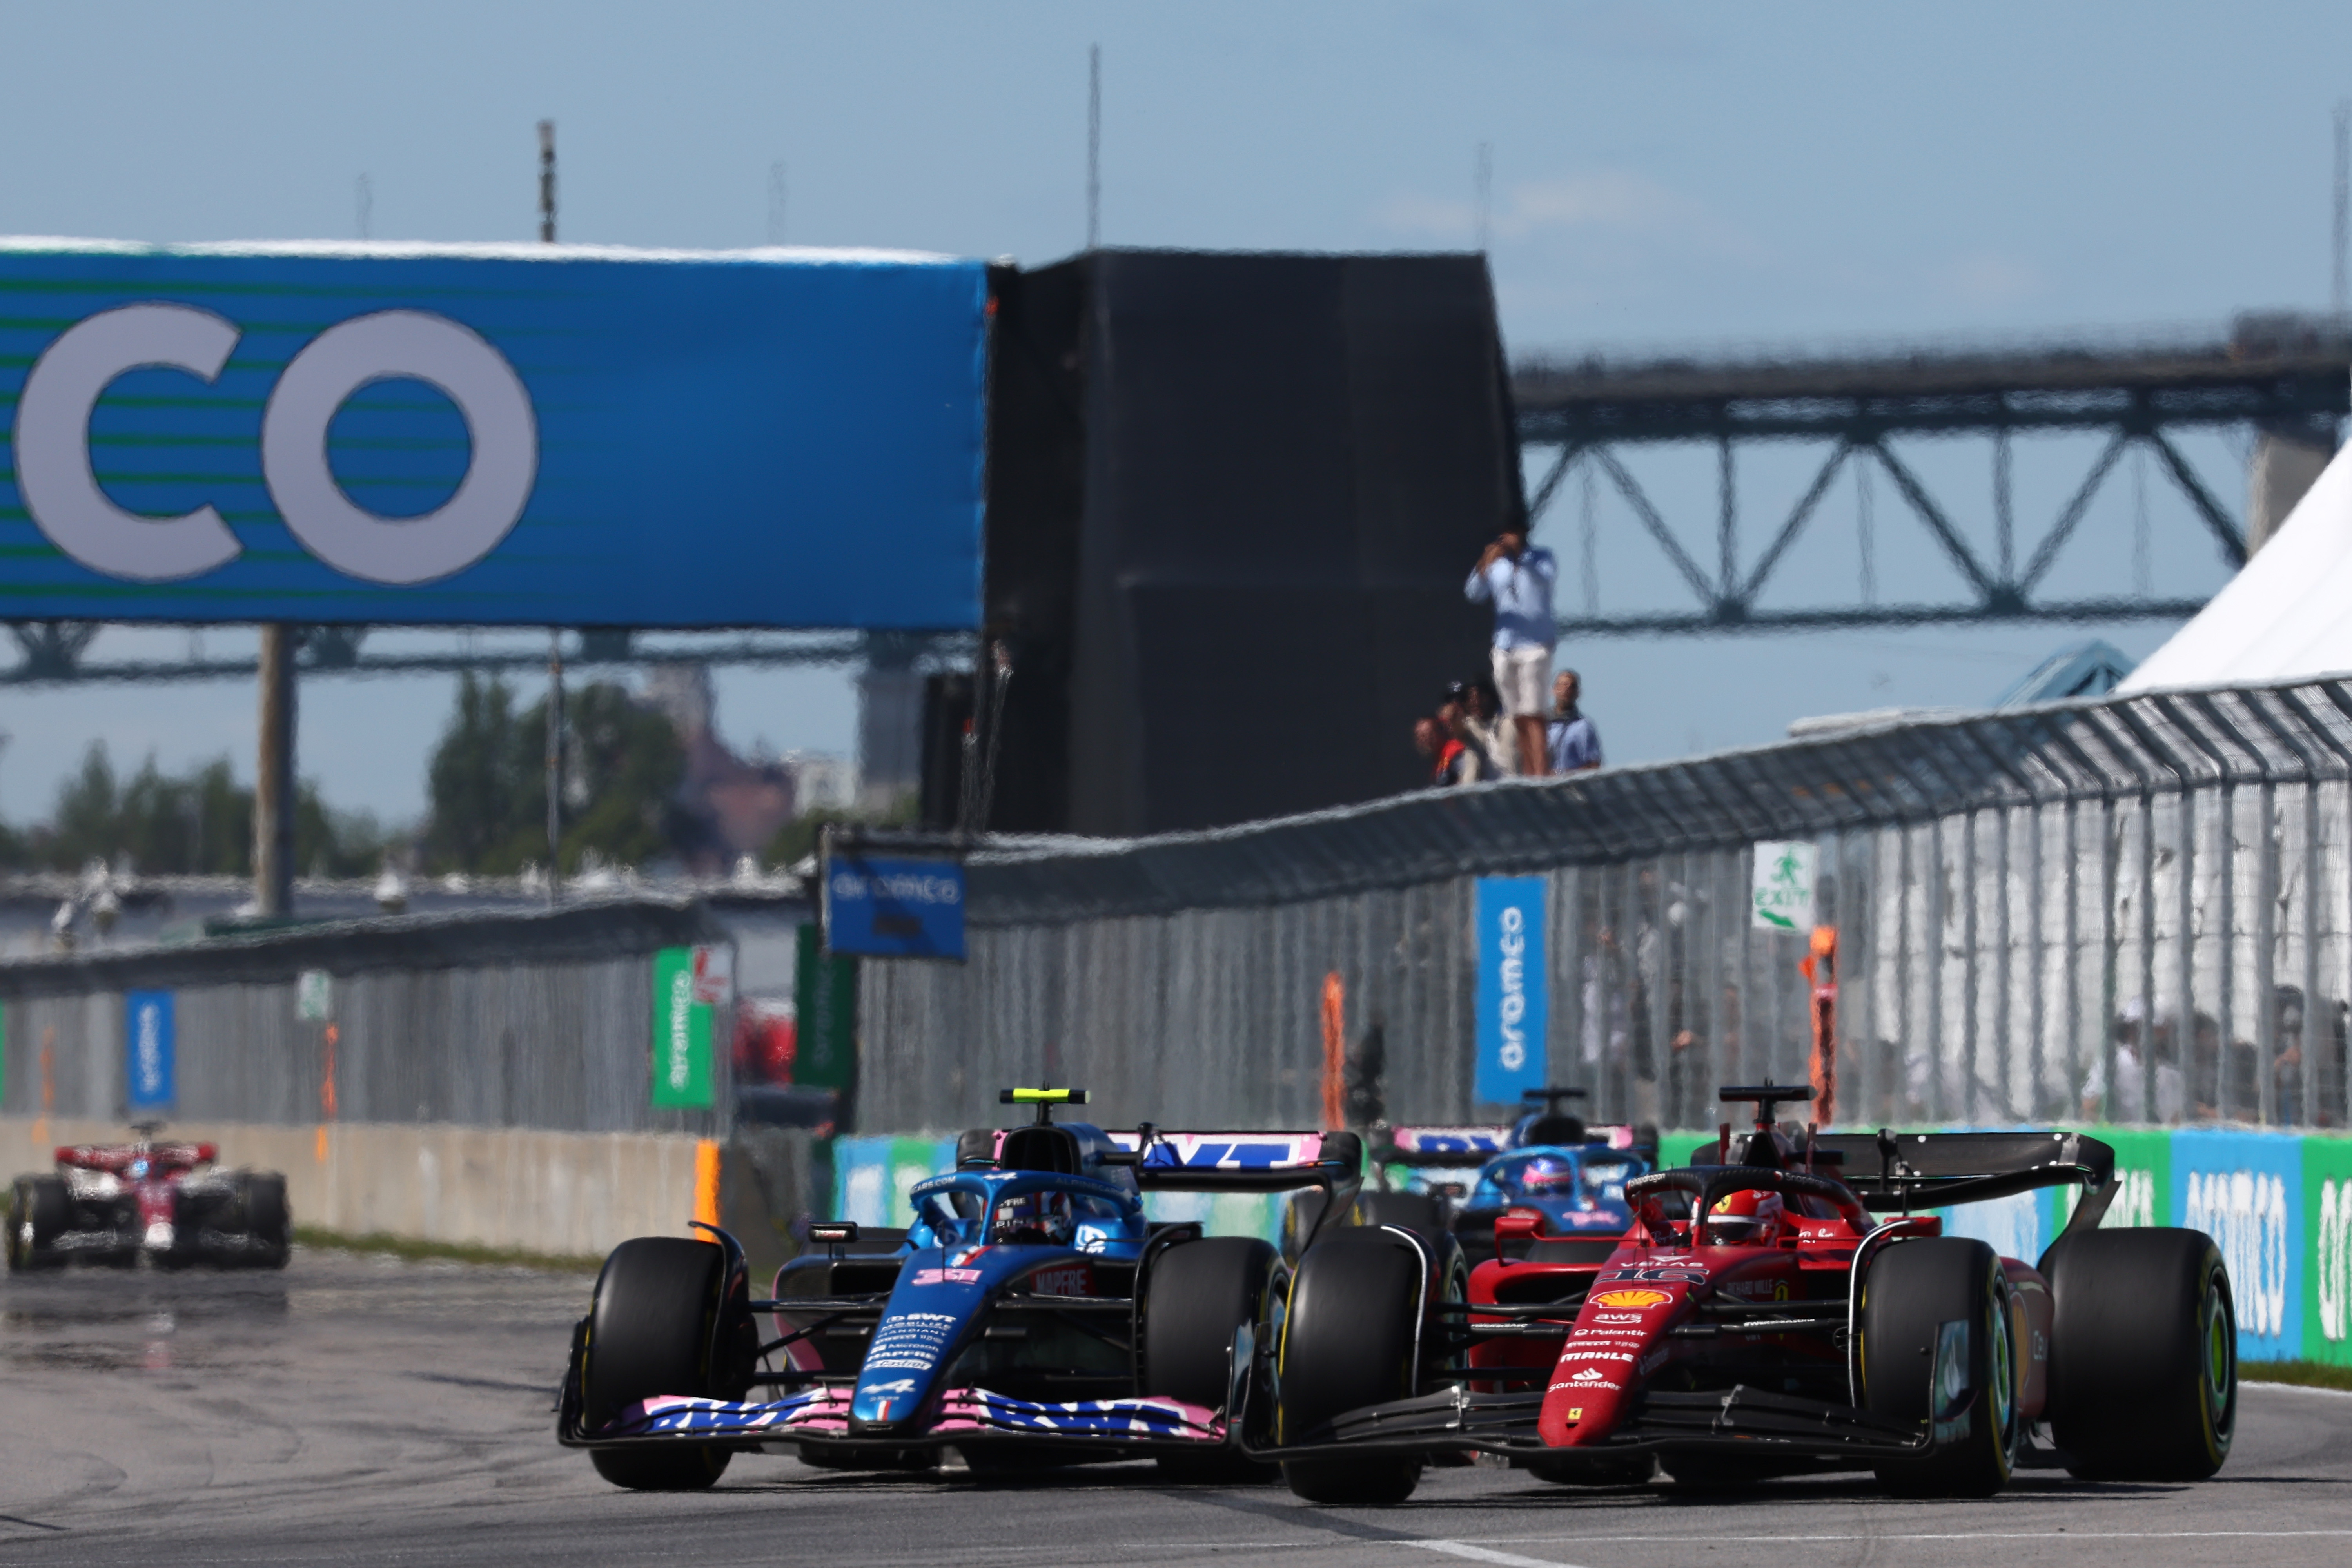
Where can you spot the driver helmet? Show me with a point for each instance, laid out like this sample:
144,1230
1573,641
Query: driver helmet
1752,1217
1546,1174
1033,1219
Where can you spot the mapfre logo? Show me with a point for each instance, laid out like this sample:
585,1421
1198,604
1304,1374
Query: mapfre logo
63,497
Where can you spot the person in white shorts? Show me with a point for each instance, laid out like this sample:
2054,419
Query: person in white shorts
1516,579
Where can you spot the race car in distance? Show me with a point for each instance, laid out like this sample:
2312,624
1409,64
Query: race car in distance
169,1202
1030,1314
1464,1179
1758,1321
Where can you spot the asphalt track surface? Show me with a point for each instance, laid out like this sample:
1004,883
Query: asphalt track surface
360,1409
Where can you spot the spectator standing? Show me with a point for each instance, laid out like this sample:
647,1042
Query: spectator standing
1485,729
1516,579
1573,744
1452,761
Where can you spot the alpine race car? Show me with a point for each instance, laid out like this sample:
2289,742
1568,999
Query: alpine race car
1760,1319
169,1202
1464,1179
1030,1314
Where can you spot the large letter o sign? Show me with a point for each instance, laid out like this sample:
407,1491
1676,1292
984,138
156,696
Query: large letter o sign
387,346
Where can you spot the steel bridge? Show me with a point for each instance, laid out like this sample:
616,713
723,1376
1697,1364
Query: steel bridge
2285,378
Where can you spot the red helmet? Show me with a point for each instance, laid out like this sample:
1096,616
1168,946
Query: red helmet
1750,1218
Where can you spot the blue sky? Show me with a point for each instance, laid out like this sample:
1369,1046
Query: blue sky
1696,175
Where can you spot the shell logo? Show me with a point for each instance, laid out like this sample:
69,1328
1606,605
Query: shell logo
1631,1299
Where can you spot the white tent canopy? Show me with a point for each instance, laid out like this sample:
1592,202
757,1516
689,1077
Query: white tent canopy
2286,617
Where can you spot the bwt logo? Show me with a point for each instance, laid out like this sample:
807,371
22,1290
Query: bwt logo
2245,1213
63,497
1513,971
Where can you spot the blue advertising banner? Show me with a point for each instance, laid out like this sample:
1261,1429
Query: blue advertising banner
491,434
883,907
1511,1012
148,1043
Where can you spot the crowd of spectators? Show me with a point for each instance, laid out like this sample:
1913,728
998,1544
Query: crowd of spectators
1499,725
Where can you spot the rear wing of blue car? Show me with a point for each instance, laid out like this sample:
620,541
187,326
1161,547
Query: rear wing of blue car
1239,1161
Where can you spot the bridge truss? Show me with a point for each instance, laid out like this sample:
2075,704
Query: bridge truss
1580,416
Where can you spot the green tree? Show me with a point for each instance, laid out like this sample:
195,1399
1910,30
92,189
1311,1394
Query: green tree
200,821
488,780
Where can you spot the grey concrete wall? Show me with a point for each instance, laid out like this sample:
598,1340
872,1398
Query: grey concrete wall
562,1194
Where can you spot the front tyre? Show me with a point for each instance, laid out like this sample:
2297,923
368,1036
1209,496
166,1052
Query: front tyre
1198,1295
1937,1347
37,1215
1347,1341
652,1332
2143,1354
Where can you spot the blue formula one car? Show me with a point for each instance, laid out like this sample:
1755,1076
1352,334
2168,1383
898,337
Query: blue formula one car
1030,1314
1464,1179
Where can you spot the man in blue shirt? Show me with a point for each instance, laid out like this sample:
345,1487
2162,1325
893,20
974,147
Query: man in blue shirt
1516,580
1574,743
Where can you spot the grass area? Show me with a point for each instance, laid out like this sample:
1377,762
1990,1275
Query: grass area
2309,1374
445,1251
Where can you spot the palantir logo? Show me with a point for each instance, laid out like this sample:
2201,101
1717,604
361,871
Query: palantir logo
2332,1259
2246,1213
64,501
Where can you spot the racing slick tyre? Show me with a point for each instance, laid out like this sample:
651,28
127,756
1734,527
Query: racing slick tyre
1347,1341
1967,1387
2143,1354
267,1221
651,1333
37,1215
1198,1295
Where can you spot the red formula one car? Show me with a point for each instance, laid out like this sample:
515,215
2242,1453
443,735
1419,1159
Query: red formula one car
1758,1321
170,1203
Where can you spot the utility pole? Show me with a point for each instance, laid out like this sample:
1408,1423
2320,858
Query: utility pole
2337,298
1482,181
1094,146
365,192
554,633
273,783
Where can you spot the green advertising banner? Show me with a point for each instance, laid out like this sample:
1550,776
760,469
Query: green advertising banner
824,995
681,1053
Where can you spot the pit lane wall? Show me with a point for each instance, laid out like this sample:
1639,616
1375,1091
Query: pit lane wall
2278,1205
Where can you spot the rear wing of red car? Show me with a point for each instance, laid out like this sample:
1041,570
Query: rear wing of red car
1891,1170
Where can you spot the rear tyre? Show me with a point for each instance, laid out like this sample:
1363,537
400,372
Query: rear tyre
2143,1354
37,1215
650,1333
1913,1289
1347,1341
1199,1293
267,1220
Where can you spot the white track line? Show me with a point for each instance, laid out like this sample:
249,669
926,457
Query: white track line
1957,1535
2295,1388
1484,1554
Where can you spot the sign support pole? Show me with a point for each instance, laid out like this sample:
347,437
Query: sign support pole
273,780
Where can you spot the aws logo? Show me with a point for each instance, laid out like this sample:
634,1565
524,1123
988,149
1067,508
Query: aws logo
63,497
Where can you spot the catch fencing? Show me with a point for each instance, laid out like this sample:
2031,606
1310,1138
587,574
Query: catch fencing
540,1020
2129,910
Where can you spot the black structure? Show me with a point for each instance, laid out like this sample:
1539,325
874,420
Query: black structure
1232,500
2284,376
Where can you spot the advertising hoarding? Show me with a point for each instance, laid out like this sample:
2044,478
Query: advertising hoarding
149,1073
490,435
883,906
1512,1051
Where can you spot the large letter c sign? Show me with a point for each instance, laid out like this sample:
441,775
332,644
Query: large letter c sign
52,471
389,345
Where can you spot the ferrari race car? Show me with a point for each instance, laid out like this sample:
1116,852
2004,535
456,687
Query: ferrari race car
1030,1312
1759,1319
170,1203
1464,1179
